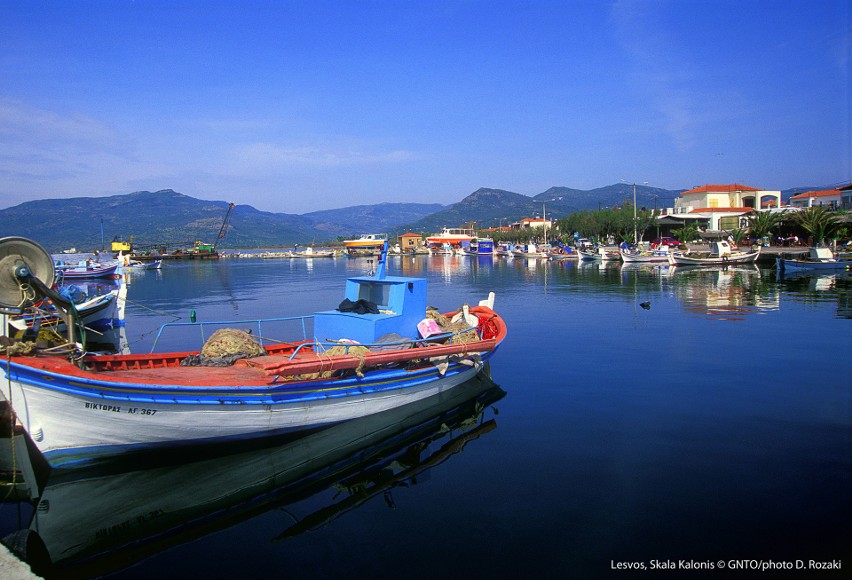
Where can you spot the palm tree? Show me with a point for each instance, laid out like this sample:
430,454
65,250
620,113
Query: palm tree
687,233
761,223
819,222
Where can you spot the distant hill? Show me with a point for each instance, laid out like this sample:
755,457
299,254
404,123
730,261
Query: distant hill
171,219
153,218
487,207
494,207
375,219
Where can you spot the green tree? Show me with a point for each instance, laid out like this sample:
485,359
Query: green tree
761,223
819,222
688,232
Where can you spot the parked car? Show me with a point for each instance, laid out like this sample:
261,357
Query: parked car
665,241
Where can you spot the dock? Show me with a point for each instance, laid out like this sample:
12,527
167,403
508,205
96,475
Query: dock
11,568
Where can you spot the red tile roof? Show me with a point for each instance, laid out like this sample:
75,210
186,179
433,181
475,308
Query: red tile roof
820,193
720,188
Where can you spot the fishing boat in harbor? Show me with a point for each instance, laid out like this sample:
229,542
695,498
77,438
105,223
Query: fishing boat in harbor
530,250
95,313
88,269
193,495
480,247
719,254
817,259
381,348
310,252
138,265
599,253
637,255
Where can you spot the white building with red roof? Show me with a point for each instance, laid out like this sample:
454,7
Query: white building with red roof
830,198
723,207
535,222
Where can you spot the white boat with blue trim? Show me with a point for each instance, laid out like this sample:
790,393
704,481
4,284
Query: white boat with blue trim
817,259
378,350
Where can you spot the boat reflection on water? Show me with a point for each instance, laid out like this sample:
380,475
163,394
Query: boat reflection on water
96,520
726,293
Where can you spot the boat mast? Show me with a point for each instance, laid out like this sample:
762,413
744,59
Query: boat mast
635,233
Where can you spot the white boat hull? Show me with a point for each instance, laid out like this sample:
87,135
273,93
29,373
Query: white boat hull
793,265
680,259
69,427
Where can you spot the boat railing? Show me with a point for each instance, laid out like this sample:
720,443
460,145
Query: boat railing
301,321
408,342
258,324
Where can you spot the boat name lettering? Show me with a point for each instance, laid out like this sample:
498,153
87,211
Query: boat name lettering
99,407
129,523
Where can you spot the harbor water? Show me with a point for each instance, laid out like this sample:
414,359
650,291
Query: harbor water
659,418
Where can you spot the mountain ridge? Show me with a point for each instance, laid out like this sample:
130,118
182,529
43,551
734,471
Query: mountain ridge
167,218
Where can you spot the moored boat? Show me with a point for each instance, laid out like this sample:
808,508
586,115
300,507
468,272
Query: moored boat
480,247
453,237
101,312
88,269
599,253
366,242
140,265
637,256
529,251
817,259
309,252
720,254
378,350
194,494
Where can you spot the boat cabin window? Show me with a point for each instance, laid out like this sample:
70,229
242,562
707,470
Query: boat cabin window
375,293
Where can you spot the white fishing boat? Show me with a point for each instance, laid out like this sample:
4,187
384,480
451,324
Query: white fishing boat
599,254
648,256
529,251
720,254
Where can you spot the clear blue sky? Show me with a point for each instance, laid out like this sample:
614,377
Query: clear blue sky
297,106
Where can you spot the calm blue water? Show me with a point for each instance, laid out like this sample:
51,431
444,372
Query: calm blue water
713,425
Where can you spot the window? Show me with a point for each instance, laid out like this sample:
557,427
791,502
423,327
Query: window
376,293
729,223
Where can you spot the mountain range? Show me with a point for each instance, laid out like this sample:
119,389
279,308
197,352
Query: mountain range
170,219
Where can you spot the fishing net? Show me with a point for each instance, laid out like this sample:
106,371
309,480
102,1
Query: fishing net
231,341
462,331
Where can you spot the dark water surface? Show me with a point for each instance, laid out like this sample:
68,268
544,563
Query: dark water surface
713,425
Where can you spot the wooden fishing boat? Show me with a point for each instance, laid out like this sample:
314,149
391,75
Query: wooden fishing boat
636,256
99,313
600,253
88,269
818,259
720,254
138,265
378,350
195,494
309,252
529,251
479,247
